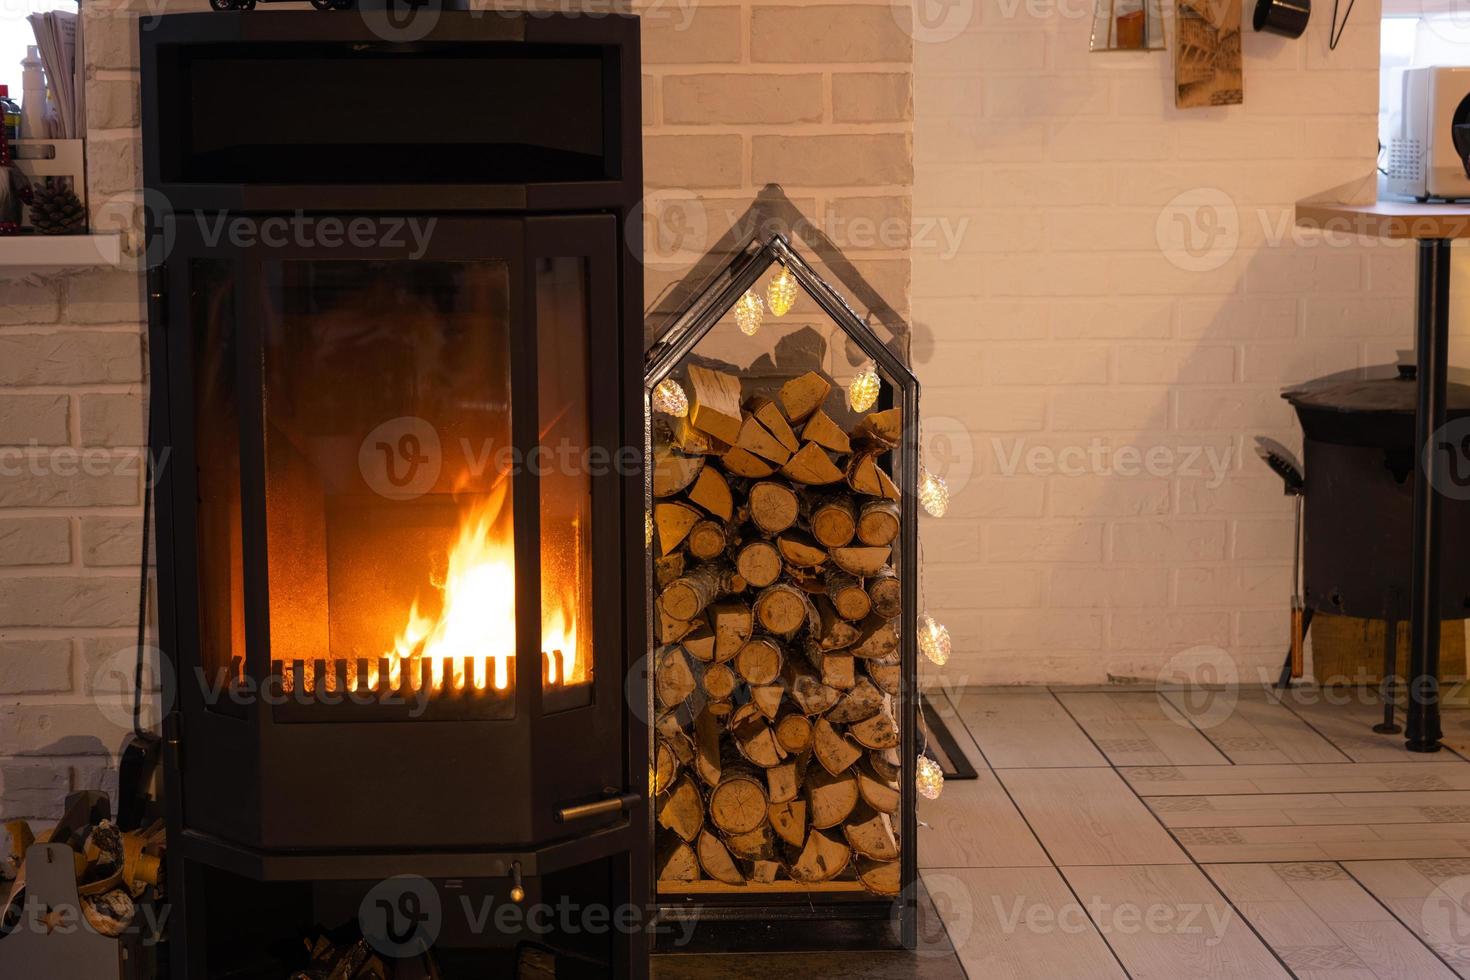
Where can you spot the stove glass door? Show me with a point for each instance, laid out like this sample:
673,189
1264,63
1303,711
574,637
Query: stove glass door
388,478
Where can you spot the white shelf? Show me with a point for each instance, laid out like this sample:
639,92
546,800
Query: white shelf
29,252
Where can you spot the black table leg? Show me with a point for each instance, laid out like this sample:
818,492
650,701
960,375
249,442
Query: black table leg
1432,325
1386,683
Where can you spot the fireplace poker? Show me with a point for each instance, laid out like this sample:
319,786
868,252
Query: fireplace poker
1284,465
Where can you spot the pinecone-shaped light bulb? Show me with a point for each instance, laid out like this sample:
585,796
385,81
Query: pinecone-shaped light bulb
934,641
933,494
670,399
930,778
749,313
862,391
781,292
648,529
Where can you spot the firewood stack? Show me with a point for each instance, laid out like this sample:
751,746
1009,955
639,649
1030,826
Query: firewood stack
777,672
356,959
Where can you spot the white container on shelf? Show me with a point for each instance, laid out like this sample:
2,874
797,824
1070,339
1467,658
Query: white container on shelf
39,159
34,112
30,253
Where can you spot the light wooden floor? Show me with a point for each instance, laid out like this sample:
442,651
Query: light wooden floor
1128,833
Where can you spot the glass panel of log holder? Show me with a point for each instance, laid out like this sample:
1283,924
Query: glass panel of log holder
776,607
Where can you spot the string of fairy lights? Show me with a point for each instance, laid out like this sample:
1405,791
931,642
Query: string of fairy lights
863,392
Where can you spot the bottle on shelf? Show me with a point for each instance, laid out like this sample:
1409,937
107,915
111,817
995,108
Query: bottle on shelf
33,108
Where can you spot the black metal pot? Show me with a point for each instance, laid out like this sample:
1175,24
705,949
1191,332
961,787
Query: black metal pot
1361,464
1285,17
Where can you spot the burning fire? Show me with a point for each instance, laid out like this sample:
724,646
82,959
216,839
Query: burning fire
471,641
476,625
477,622
559,646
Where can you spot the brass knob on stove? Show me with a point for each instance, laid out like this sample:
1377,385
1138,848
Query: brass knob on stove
517,893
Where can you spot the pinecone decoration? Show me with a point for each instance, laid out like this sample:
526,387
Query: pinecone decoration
56,209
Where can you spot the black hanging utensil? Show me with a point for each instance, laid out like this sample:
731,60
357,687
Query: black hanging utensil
137,781
1285,17
1334,33
1283,464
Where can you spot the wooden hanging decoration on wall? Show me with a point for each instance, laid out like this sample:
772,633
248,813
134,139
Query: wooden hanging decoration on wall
1207,65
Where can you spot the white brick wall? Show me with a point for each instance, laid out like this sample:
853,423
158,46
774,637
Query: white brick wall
72,382
1061,320
816,97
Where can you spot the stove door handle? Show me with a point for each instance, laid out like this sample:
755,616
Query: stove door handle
599,808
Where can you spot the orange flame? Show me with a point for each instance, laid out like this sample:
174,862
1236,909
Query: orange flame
469,644
476,622
559,644
477,619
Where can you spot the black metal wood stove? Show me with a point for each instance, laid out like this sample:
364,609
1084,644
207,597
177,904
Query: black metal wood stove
1362,472
1361,469
396,341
